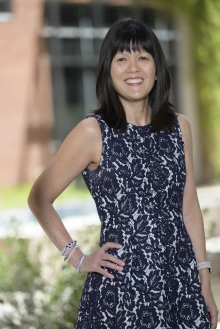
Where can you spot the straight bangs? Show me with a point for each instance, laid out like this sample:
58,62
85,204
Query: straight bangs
132,38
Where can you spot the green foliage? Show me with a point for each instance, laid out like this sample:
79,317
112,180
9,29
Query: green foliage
12,197
18,271
41,303
212,231
66,293
204,18
32,310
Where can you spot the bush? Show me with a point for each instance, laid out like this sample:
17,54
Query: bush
32,302
19,271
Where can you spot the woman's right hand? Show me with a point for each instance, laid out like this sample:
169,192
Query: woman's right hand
99,257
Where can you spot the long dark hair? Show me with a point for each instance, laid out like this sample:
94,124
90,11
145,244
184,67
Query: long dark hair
123,35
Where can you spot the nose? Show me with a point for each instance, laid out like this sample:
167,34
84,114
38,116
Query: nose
133,66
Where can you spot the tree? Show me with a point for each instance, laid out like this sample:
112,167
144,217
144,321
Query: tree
204,18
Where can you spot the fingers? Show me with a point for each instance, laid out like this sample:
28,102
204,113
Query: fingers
105,273
109,257
108,245
114,259
108,260
214,318
98,258
112,265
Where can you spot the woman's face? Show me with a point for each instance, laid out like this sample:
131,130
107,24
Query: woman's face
133,74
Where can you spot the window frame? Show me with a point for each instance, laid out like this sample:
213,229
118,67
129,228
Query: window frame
6,15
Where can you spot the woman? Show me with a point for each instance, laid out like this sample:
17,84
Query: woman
135,154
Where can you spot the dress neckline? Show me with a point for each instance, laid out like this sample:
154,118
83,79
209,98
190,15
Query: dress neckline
138,127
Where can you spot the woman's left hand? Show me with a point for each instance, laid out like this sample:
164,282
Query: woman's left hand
211,306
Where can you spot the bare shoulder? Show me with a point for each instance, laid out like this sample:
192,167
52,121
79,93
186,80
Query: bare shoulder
183,121
87,128
89,125
186,130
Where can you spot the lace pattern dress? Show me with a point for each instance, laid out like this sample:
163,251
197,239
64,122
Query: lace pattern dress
138,190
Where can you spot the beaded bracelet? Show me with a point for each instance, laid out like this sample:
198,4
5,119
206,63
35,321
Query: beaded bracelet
72,252
65,250
78,267
205,264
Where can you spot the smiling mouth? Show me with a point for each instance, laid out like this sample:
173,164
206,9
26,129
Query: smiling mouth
134,82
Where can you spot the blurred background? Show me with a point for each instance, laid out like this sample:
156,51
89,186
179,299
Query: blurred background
48,62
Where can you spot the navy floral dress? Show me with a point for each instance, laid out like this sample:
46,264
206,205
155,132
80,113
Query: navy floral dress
138,190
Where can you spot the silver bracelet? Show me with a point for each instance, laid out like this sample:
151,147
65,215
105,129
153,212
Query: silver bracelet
78,267
205,264
65,250
72,252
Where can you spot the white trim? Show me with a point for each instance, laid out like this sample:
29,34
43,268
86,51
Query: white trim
98,33
5,17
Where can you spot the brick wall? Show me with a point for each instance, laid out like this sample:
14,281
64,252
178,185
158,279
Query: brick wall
25,99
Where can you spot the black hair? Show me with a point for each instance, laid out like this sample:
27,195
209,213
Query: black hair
125,34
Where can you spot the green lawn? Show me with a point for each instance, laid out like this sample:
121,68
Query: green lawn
13,197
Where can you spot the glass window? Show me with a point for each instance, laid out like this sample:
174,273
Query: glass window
69,14
97,46
71,47
77,54
148,17
113,13
74,87
79,89
88,14
4,6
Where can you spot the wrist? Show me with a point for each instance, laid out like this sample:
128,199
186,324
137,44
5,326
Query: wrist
204,275
204,264
206,287
80,263
75,259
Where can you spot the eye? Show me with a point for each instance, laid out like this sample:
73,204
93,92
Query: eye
121,59
143,58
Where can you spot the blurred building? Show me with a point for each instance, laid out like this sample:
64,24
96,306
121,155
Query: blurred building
26,116
49,54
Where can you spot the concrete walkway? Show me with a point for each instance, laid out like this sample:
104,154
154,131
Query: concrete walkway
209,195
209,199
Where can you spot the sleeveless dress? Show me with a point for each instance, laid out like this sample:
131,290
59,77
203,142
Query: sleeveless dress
138,190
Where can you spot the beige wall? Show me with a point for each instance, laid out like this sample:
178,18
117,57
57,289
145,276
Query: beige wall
25,97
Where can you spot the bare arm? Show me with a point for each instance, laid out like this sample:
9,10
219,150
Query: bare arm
192,214
80,148
193,220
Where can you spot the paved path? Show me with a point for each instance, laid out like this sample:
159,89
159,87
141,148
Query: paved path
209,197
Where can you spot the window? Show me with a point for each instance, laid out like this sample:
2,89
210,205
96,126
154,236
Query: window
4,6
113,13
5,10
74,34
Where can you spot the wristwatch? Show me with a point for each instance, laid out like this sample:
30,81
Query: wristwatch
205,264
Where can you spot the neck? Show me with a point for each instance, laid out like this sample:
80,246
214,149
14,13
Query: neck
137,113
